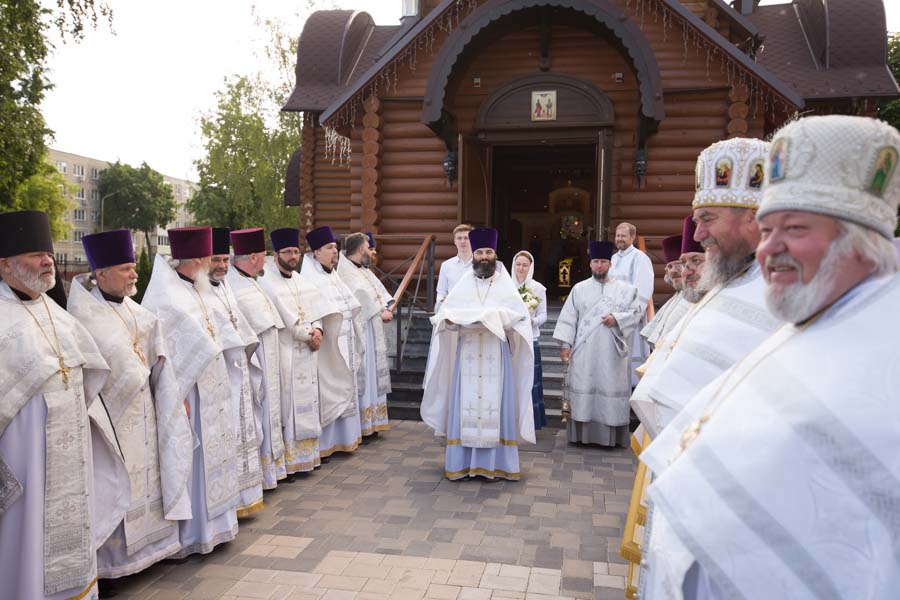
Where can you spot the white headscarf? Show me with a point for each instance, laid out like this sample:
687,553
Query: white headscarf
529,282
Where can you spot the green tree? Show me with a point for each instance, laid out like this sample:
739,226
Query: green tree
144,270
136,199
890,111
24,45
46,190
248,143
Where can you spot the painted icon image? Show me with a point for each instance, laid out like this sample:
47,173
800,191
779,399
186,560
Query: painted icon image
756,176
723,172
776,159
885,164
543,106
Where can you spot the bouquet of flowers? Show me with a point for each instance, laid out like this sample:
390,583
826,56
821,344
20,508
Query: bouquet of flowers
531,301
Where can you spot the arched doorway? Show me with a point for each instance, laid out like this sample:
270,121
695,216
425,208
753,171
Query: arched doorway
540,179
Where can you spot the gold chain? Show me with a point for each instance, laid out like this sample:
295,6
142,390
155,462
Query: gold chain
135,341
487,293
209,325
63,369
288,281
223,298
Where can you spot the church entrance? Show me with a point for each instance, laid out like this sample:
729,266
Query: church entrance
544,199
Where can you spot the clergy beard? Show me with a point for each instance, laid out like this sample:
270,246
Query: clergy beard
693,294
202,284
600,277
216,277
365,260
36,281
283,265
485,268
720,268
797,302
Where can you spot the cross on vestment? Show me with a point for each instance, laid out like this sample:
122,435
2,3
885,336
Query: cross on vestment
64,372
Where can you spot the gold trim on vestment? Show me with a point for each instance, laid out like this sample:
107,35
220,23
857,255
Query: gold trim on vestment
712,204
376,429
502,442
304,467
341,448
86,591
250,510
483,472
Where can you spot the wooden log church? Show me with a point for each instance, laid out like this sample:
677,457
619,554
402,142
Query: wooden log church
554,120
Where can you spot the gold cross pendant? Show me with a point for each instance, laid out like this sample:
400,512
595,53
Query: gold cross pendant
210,328
233,320
136,346
64,372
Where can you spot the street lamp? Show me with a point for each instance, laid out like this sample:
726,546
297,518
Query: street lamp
102,215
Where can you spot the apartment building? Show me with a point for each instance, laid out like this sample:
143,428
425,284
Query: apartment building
86,217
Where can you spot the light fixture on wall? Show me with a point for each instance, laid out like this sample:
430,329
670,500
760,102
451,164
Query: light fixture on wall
450,166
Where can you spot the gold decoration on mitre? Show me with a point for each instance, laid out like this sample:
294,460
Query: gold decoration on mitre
839,166
731,173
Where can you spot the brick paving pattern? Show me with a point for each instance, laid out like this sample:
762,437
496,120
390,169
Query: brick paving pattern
383,523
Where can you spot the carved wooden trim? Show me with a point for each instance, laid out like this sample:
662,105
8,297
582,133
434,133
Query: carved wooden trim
370,216
307,165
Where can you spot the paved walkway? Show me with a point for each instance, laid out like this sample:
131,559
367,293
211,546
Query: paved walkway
382,523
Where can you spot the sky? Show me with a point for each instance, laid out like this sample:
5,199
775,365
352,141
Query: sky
137,93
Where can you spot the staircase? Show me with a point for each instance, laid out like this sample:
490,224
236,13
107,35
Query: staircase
406,383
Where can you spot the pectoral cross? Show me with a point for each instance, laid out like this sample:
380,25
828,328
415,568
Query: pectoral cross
210,328
136,346
64,372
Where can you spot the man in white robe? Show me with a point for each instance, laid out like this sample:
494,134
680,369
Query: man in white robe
374,375
196,338
54,430
149,419
246,379
635,268
732,318
676,306
341,431
595,330
477,390
780,479
298,454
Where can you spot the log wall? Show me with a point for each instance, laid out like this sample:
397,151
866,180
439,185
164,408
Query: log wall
331,189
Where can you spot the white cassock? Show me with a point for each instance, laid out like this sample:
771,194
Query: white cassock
666,318
341,432
195,346
151,425
307,403
374,376
790,489
634,267
718,331
266,323
599,382
54,434
477,390
241,346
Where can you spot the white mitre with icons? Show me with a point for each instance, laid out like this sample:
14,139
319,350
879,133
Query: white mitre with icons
731,173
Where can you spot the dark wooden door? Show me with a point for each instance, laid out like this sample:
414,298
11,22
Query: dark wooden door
474,181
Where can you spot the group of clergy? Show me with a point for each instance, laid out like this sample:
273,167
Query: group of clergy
131,433
770,401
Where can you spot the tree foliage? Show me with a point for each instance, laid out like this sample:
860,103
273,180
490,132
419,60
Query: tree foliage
46,190
144,270
890,111
24,45
248,143
136,199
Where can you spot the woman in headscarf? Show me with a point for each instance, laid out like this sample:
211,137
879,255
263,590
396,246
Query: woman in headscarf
535,297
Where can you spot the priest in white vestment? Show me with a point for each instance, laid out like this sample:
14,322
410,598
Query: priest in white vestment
676,306
55,434
477,390
374,375
595,330
341,430
635,268
246,377
141,396
732,317
179,294
299,454
453,269
781,479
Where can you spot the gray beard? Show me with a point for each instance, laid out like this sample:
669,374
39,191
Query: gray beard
601,277
720,269
693,294
33,281
798,302
202,284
